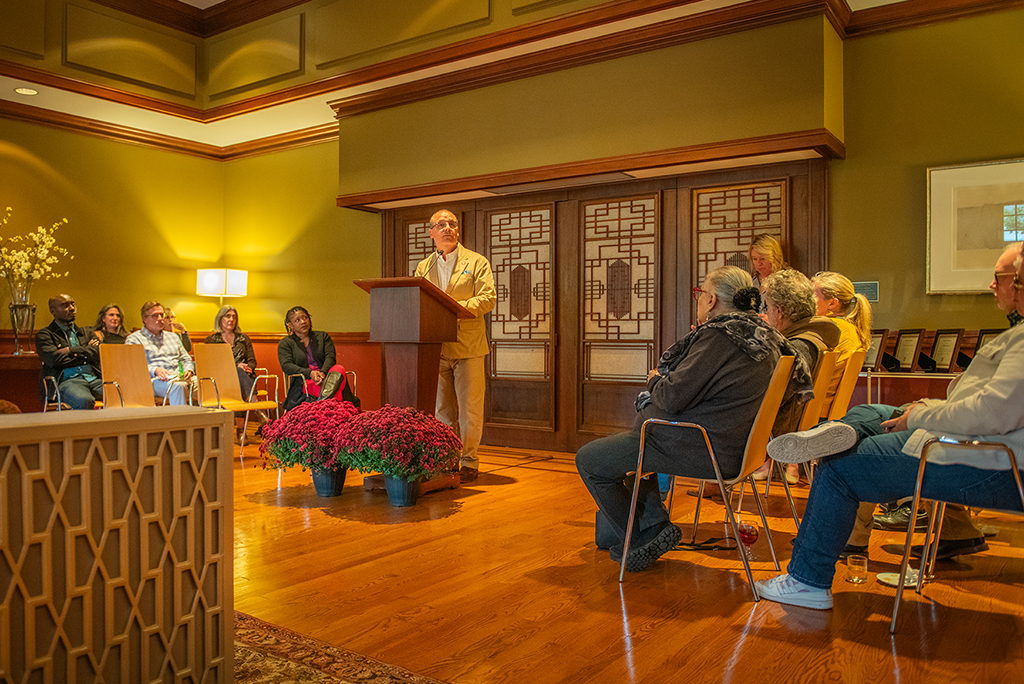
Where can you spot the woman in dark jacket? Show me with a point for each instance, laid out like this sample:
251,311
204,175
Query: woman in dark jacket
109,328
310,353
227,331
715,376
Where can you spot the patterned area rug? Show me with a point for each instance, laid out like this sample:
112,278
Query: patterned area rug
265,654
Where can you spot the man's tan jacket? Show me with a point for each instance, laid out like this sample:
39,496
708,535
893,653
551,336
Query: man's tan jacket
472,286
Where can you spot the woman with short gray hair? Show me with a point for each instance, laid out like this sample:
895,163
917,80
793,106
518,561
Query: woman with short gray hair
715,376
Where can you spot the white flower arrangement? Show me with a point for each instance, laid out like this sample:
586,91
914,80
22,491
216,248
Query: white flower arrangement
26,258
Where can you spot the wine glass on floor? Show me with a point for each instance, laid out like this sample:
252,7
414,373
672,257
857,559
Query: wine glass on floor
747,531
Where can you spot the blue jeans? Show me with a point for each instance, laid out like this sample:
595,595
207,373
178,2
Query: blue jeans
876,470
80,392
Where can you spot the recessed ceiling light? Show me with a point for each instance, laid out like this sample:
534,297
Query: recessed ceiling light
26,91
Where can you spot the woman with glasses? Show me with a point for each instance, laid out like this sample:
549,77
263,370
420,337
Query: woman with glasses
716,376
310,353
227,331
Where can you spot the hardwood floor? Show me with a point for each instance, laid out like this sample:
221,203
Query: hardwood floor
500,581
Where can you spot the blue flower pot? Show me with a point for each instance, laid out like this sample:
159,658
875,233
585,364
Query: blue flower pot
401,492
329,482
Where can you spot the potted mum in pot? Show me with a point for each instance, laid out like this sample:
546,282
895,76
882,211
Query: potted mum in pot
309,436
405,445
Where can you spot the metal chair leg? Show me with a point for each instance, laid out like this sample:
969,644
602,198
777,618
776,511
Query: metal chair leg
742,549
764,526
696,512
789,494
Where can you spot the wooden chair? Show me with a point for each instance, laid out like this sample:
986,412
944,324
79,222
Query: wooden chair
215,365
810,417
931,540
124,369
753,457
844,393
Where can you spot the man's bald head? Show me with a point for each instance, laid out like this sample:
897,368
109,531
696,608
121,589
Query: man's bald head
63,308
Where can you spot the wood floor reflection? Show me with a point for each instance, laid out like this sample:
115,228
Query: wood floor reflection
500,581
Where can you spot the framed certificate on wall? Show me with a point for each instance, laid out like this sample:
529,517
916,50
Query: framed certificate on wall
874,354
945,349
908,346
986,336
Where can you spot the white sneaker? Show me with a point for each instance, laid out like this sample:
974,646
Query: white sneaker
822,440
785,589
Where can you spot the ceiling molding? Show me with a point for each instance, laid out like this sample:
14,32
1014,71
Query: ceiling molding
101,92
134,136
821,141
912,13
653,37
206,23
730,20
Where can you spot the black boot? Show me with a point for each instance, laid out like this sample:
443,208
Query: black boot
332,383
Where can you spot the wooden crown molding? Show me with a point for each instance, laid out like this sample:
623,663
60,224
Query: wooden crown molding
730,20
100,129
819,140
221,17
667,34
913,13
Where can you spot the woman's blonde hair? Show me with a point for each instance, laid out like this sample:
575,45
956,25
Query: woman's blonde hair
854,307
770,247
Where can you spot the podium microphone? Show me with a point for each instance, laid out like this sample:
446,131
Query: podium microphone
435,257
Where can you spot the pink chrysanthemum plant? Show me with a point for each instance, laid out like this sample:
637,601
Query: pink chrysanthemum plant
309,436
401,442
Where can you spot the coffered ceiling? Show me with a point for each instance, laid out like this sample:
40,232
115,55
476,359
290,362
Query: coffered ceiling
309,113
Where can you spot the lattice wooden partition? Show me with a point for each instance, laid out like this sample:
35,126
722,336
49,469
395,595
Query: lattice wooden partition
116,546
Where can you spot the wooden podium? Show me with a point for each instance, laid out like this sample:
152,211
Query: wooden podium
411,317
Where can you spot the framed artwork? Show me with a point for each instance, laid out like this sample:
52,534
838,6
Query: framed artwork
908,346
946,348
985,336
974,211
874,354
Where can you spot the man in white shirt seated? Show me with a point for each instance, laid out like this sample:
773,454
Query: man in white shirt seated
878,460
167,359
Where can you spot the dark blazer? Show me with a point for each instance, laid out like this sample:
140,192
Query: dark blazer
51,338
291,354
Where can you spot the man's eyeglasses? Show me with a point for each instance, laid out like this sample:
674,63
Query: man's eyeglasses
697,292
445,223
997,275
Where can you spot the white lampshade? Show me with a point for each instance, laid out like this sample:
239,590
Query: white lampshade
221,282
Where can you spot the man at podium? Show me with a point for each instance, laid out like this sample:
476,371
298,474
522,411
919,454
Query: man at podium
466,277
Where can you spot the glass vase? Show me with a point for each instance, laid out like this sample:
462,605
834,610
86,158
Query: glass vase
23,316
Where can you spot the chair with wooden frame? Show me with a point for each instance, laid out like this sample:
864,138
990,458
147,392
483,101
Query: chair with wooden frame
215,364
754,455
124,368
844,393
810,417
931,540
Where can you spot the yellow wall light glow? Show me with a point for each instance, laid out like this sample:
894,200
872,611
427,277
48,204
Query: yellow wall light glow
221,282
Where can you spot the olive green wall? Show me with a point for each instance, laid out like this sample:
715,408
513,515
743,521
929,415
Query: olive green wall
762,82
932,96
281,221
142,221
